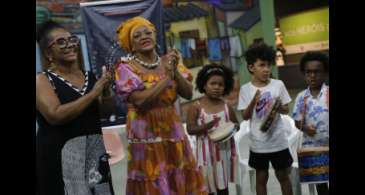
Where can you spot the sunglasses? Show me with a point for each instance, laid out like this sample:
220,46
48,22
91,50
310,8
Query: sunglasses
63,42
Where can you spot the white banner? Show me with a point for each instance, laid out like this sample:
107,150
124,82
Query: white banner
301,48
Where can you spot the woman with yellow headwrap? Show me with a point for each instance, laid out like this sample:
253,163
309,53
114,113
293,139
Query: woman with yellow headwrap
160,158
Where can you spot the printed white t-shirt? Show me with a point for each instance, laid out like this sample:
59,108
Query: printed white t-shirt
274,139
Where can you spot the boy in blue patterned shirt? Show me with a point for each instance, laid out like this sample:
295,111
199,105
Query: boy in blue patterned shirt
311,108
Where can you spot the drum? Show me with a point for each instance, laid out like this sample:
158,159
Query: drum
269,119
313,164
223,133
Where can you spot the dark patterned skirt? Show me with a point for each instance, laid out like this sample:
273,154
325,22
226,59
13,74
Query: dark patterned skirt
80,167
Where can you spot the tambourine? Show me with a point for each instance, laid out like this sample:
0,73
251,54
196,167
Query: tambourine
269,119
222,133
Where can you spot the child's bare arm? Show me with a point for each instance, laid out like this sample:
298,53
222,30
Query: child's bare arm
192,126
247,113
309,130
232,116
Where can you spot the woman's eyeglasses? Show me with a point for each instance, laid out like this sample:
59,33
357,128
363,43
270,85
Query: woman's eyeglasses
63,42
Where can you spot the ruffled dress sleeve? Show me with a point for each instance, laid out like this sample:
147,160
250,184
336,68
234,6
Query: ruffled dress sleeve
126,81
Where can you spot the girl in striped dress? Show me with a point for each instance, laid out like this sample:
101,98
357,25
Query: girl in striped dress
217,160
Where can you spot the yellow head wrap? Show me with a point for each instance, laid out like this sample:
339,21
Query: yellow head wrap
126,29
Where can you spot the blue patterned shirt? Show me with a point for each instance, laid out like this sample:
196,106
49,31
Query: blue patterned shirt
316,114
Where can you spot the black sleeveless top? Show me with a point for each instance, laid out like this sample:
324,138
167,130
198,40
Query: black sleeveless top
50,138
88,122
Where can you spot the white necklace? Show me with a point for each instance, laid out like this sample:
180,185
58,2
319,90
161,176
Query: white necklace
145,64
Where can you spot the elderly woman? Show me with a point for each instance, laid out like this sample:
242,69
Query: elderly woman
71,158
160,158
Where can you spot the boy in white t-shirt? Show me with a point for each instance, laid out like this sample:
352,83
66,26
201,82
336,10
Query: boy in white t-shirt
255,101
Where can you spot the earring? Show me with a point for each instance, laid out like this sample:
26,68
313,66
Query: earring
50,60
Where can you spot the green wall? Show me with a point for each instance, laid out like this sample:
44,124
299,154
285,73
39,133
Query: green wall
247,39
306,27
263,29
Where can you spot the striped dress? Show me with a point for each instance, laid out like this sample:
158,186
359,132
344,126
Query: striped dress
216,160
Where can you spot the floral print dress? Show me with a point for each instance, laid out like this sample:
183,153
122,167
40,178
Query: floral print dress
160,159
